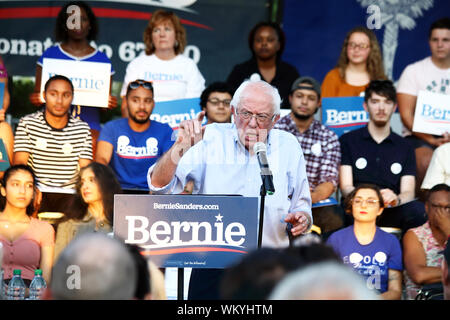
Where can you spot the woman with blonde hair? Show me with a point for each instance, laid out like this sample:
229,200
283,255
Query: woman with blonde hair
174,76
360,62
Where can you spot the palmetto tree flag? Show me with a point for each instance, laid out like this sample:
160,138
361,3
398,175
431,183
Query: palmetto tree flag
315,31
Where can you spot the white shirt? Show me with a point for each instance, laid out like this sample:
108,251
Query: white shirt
423,75
178,78
220,164
439,169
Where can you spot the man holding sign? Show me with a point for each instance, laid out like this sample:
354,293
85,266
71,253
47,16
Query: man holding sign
430,74
220,160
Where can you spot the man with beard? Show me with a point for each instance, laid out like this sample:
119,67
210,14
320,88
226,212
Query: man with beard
374,154
132,145
320,147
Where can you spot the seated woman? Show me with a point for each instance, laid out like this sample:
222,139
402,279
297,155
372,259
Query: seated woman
92,206
28,243
360,62
373,253
421,245
266,42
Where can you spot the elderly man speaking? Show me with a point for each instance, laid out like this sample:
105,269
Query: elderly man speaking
220,159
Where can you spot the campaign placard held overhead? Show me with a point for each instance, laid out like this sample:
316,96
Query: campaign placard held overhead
344,114
432,113
188,231
91,80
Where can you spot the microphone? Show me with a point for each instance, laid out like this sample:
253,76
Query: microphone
260,149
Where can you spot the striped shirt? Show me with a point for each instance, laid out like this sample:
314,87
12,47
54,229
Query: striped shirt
53,153
321,149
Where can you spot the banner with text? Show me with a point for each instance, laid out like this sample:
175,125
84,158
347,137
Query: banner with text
188,231
91,80
432,113
175,111
344,114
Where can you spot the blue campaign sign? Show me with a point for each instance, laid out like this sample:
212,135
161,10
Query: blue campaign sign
326,202
344,114
4,160
174,111
188,231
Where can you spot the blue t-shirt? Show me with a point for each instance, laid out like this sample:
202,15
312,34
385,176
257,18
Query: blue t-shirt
91,115
373,260
134,152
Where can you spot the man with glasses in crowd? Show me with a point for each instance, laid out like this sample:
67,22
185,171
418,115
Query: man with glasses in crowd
131,145
220,159
374,154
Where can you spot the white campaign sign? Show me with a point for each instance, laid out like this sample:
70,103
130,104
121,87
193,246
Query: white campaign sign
432,113
90,80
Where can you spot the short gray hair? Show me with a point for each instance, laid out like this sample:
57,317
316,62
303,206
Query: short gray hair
107,270
271,90
323,281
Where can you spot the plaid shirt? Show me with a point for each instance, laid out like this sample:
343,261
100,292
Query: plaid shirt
321,150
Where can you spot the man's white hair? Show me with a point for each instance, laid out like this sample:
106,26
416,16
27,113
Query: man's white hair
240,93
323,281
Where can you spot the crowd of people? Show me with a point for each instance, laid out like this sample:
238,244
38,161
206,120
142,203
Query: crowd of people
383,181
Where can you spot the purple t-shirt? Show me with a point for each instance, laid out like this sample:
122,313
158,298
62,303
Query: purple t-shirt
373,260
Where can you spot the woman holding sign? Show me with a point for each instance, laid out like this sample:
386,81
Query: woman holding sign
76,26
173,75
360,62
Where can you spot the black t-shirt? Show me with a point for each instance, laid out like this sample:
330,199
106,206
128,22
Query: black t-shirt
382,163
285,75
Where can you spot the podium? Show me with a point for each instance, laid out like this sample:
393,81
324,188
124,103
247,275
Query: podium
203,231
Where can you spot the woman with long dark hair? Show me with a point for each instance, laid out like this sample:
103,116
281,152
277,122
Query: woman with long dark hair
27,242
92,207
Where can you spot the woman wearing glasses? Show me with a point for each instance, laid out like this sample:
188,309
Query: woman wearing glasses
373,253
360,62
423,245
174,76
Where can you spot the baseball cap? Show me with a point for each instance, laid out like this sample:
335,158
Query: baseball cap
308,80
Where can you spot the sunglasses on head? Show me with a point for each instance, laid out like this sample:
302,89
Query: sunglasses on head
136,84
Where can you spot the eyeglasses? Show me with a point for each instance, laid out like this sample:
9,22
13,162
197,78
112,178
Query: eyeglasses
136,84
362,46
369,202
437,207
216,102
261,118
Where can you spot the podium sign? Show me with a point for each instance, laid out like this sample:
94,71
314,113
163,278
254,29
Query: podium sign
90,80
432,113
188,231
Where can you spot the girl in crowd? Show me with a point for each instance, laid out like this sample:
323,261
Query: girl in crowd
373,253
28,243
266,42
7,141
359,63
92,206
74,44
422,245
174,76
